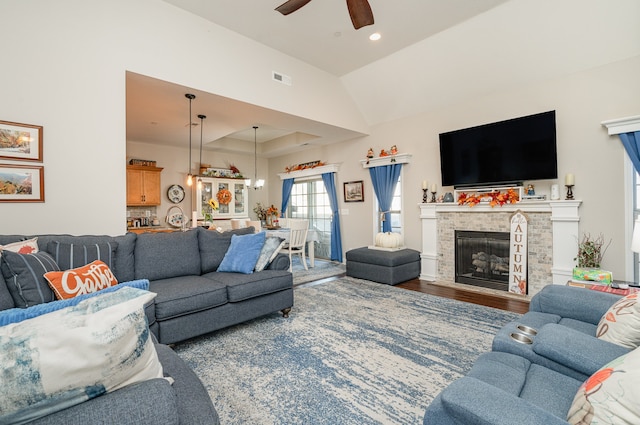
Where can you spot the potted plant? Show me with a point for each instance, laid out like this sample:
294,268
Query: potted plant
590,253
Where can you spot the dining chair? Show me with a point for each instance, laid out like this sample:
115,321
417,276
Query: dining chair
256,225
237,223
297,239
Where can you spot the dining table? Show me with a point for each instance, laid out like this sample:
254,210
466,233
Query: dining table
312,236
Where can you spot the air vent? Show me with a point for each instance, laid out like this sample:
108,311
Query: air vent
281,78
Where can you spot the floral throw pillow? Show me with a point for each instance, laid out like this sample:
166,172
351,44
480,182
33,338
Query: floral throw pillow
621,323
30,246
610,396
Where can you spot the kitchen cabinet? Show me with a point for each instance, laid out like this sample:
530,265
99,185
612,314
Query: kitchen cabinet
232,190
143,185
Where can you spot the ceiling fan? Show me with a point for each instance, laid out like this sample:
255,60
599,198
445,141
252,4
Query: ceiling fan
359,10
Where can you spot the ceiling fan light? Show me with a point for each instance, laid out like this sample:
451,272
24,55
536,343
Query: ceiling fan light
375,36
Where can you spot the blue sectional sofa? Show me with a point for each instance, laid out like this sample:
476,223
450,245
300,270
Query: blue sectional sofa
534,371
193,299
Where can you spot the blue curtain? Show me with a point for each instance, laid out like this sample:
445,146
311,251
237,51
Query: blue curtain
384,180
287,185
631,143
336,241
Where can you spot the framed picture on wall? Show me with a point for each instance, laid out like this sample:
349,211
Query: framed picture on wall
21,183
353,191
20,142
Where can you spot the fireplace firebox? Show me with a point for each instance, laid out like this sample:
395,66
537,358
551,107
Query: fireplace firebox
482,259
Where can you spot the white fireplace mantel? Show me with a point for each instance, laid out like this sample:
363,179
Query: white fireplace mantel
564,217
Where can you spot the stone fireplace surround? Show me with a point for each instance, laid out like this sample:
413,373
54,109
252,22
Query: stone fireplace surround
552,234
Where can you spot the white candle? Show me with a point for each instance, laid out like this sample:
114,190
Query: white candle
569,180
433,187
194,219
424,184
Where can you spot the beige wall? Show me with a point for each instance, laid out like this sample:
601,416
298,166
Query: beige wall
582,101
67,73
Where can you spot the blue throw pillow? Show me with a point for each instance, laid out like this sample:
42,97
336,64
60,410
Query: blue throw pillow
243,253
15,315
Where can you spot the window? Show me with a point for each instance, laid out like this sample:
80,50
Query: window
309,200
396,210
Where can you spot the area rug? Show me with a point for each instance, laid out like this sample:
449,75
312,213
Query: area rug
321,270
351,352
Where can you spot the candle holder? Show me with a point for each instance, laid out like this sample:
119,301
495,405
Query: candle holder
433,197
569,191
425,196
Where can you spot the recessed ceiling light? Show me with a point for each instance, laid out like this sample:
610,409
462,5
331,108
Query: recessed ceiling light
375,36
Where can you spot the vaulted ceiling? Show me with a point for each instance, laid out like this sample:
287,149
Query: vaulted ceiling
432,53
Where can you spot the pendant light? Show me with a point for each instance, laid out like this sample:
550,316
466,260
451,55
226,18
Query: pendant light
258,182
189,175
202,118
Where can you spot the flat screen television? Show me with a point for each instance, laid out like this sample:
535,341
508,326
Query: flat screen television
502,153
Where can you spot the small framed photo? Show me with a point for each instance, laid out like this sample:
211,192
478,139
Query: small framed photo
21,183
353,191
20,142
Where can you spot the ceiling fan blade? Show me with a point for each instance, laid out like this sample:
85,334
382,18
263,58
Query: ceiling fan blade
360,12
291,6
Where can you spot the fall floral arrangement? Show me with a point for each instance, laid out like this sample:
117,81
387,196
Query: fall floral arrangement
495,198
272,210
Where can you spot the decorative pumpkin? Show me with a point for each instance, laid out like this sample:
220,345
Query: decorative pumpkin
389,240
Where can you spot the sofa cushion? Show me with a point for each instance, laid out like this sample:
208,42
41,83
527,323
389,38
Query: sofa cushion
89,278
72,255
214,245
243,253
29,246
166,255
621,323
270,249
545,388
187,294
24,274
107,334
610,395
241,287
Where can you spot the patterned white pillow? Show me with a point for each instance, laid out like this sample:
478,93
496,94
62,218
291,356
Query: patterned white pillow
610,396
65,357
621,323
30,246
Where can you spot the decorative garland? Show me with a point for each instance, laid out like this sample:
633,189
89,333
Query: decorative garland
495,198
224,196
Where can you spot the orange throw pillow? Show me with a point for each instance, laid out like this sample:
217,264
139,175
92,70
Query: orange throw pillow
82,280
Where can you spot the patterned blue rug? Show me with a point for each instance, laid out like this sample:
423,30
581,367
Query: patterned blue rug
351,352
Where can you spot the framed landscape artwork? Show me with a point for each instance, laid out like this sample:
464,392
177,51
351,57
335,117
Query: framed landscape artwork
353,191
21,183
20,142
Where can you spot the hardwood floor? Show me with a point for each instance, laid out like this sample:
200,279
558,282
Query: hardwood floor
486,299
489,300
